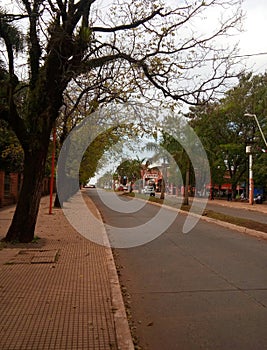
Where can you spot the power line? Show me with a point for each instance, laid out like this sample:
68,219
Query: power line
218,58
251,55
234,56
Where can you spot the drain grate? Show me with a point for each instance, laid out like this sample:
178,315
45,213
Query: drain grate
35,256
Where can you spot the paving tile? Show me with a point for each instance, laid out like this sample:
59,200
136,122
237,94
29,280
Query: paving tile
58,295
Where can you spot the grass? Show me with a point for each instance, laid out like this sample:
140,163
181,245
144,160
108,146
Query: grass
251,224
35,239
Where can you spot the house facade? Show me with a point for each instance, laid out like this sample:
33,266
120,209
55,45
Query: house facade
10,185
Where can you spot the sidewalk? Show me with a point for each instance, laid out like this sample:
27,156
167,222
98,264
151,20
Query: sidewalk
232,204
241,205
60,293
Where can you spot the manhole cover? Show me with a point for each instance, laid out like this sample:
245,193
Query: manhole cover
35,256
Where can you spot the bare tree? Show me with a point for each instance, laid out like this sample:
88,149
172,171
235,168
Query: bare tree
142,44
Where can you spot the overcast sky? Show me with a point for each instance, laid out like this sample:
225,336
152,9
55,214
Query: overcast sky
253,40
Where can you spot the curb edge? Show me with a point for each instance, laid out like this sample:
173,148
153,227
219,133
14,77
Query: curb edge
122,329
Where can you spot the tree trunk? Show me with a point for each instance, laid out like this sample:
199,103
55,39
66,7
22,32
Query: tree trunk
25,217
57,202
234,191
187,177
66,182
163,187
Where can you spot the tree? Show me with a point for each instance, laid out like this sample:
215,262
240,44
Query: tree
181,158
66,40
223,138
208,122
96,150
106,180
11,154
225,131
131,169
186,156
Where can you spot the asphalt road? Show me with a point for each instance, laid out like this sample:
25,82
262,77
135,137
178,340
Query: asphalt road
203,290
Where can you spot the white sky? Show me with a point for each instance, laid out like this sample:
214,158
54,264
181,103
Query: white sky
253,39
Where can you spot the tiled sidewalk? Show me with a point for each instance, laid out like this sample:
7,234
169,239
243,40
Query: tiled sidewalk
59,293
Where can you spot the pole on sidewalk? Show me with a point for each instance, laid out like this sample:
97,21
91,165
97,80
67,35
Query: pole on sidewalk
251,181
52,171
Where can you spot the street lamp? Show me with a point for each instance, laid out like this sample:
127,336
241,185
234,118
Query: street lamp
254,116
248,150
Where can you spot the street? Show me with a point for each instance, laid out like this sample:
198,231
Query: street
203,290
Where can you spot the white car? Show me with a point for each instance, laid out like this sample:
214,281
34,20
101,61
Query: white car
149,190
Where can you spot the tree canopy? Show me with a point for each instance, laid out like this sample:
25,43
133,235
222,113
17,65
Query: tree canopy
225,130
11,154
125,48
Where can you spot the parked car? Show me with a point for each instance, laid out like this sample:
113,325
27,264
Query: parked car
149,190
90,186
258,199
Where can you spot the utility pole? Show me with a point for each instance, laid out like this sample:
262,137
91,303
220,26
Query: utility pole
251,181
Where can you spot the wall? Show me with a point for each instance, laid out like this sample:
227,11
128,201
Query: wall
10,185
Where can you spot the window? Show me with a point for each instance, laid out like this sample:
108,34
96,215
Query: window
7,185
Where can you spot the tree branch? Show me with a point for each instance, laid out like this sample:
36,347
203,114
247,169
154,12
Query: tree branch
133,25
35,49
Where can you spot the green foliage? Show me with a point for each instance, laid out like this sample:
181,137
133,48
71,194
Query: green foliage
106,180
97,148
176,151
85,34
225,131
11,33
11,153
131,168
115,58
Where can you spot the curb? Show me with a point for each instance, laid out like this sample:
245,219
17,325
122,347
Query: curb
122,329
241,229
123,334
